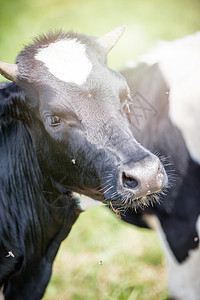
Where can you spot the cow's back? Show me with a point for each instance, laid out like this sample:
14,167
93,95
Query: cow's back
157,132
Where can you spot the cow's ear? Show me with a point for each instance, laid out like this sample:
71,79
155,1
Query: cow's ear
108,40
9,71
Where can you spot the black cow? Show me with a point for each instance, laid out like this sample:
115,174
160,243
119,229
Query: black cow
63,131
165,117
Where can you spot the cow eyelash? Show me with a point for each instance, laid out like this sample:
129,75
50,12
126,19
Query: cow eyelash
53,120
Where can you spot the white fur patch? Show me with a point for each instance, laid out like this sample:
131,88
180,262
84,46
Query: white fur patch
184,278
66,60
179,61
86,202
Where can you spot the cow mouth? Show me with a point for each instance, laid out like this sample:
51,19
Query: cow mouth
116,197
126,200
129,202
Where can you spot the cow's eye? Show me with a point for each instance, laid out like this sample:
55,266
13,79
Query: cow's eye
54,120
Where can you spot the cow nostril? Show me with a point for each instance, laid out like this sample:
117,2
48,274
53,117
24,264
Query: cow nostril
129,182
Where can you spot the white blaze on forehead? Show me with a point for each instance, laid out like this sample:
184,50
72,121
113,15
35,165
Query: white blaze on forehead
66,60
183,278
179,62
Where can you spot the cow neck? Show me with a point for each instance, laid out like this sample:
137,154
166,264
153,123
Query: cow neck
61,204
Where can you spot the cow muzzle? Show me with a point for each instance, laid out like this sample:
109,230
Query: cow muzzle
143,178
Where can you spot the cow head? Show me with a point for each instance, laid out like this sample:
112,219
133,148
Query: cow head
74,106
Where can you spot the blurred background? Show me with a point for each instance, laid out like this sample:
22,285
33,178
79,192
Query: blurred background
103,258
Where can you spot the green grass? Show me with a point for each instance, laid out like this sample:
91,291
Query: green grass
132,264
146,22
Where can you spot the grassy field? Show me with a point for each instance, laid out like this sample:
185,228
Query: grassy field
146,22
132,265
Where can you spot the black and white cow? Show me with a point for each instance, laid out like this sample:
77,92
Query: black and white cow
63,131
165,117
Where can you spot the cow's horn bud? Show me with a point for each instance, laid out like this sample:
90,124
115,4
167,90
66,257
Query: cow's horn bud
9,71
109,39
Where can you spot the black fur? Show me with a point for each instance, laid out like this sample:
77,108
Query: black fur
30,227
